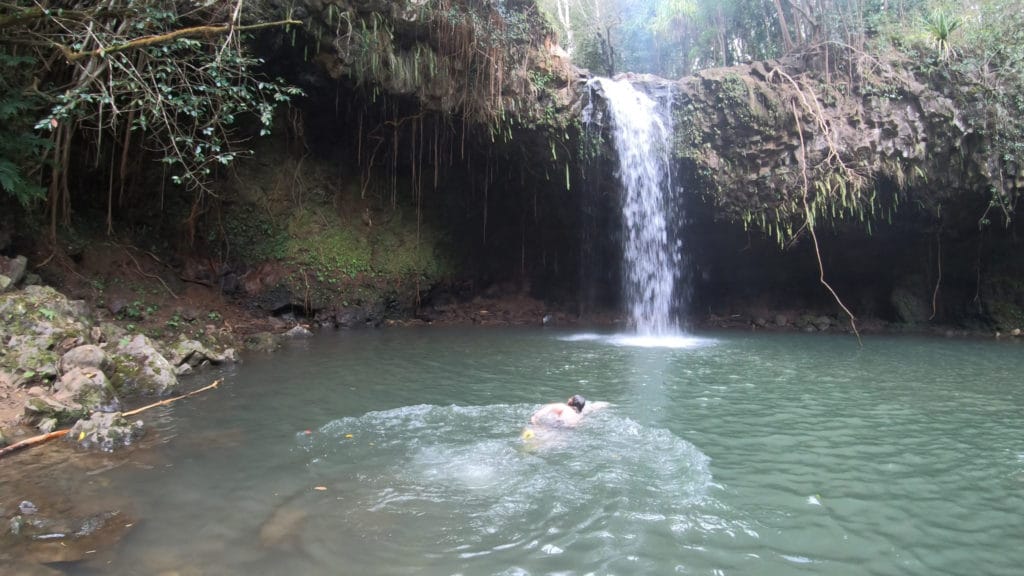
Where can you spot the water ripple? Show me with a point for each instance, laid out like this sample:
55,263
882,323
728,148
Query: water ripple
463,475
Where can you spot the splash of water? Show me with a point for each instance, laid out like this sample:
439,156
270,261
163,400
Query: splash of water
642,132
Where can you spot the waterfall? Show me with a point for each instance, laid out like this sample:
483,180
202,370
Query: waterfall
642,131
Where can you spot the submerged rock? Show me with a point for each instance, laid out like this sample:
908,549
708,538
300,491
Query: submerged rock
46,540
31,569
284,527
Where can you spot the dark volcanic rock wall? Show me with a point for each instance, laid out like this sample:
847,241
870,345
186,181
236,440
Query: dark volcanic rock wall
913,207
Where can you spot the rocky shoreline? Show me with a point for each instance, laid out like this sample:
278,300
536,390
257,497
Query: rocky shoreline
61,362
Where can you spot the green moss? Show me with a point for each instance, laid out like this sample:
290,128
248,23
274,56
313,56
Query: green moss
1004,301
334,249
330,247
254,235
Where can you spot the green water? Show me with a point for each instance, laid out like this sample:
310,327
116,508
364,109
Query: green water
730,454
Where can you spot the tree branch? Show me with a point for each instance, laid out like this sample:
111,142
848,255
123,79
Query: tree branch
144,41
31,14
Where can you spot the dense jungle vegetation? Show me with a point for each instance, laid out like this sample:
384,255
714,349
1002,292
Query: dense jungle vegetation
149,104
86,85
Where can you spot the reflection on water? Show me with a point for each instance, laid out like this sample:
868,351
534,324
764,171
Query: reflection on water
642,340
400,452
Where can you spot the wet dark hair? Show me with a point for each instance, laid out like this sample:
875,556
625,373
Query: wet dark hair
577,402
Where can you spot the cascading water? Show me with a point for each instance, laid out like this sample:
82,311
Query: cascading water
642,132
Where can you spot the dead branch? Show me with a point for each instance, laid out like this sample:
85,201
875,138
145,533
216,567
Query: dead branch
145,41
30,14
32,441
167,401
35,440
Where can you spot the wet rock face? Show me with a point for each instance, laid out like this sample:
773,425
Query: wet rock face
741,133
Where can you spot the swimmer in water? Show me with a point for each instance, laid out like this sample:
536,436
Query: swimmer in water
565,415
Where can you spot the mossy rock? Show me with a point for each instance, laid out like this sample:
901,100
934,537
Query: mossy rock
34,322
89,388
139,368
105,431
44,409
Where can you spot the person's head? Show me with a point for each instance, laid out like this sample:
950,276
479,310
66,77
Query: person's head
577,402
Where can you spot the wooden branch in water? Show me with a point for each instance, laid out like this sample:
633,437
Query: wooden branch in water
59,433
32,441
170,400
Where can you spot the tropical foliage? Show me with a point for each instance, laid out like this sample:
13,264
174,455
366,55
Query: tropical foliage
124,81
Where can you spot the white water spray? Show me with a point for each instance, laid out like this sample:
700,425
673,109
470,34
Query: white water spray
642,132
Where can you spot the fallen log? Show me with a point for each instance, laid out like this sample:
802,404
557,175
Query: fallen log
58,433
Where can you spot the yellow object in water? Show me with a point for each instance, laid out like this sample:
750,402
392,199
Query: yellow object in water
527,434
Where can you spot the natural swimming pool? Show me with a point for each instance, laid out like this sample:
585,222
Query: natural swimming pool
723,453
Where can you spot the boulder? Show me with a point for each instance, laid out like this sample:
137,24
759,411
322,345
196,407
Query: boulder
193,353
263,342
105,431
35,324
140,368
47,412
298,331
85,356
13,268
88,388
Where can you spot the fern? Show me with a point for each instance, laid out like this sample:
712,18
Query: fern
20,149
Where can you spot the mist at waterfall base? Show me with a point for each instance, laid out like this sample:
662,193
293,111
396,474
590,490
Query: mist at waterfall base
655,285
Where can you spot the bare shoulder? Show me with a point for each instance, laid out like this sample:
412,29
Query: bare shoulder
595,406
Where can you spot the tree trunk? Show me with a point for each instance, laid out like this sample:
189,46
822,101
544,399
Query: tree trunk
787,40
